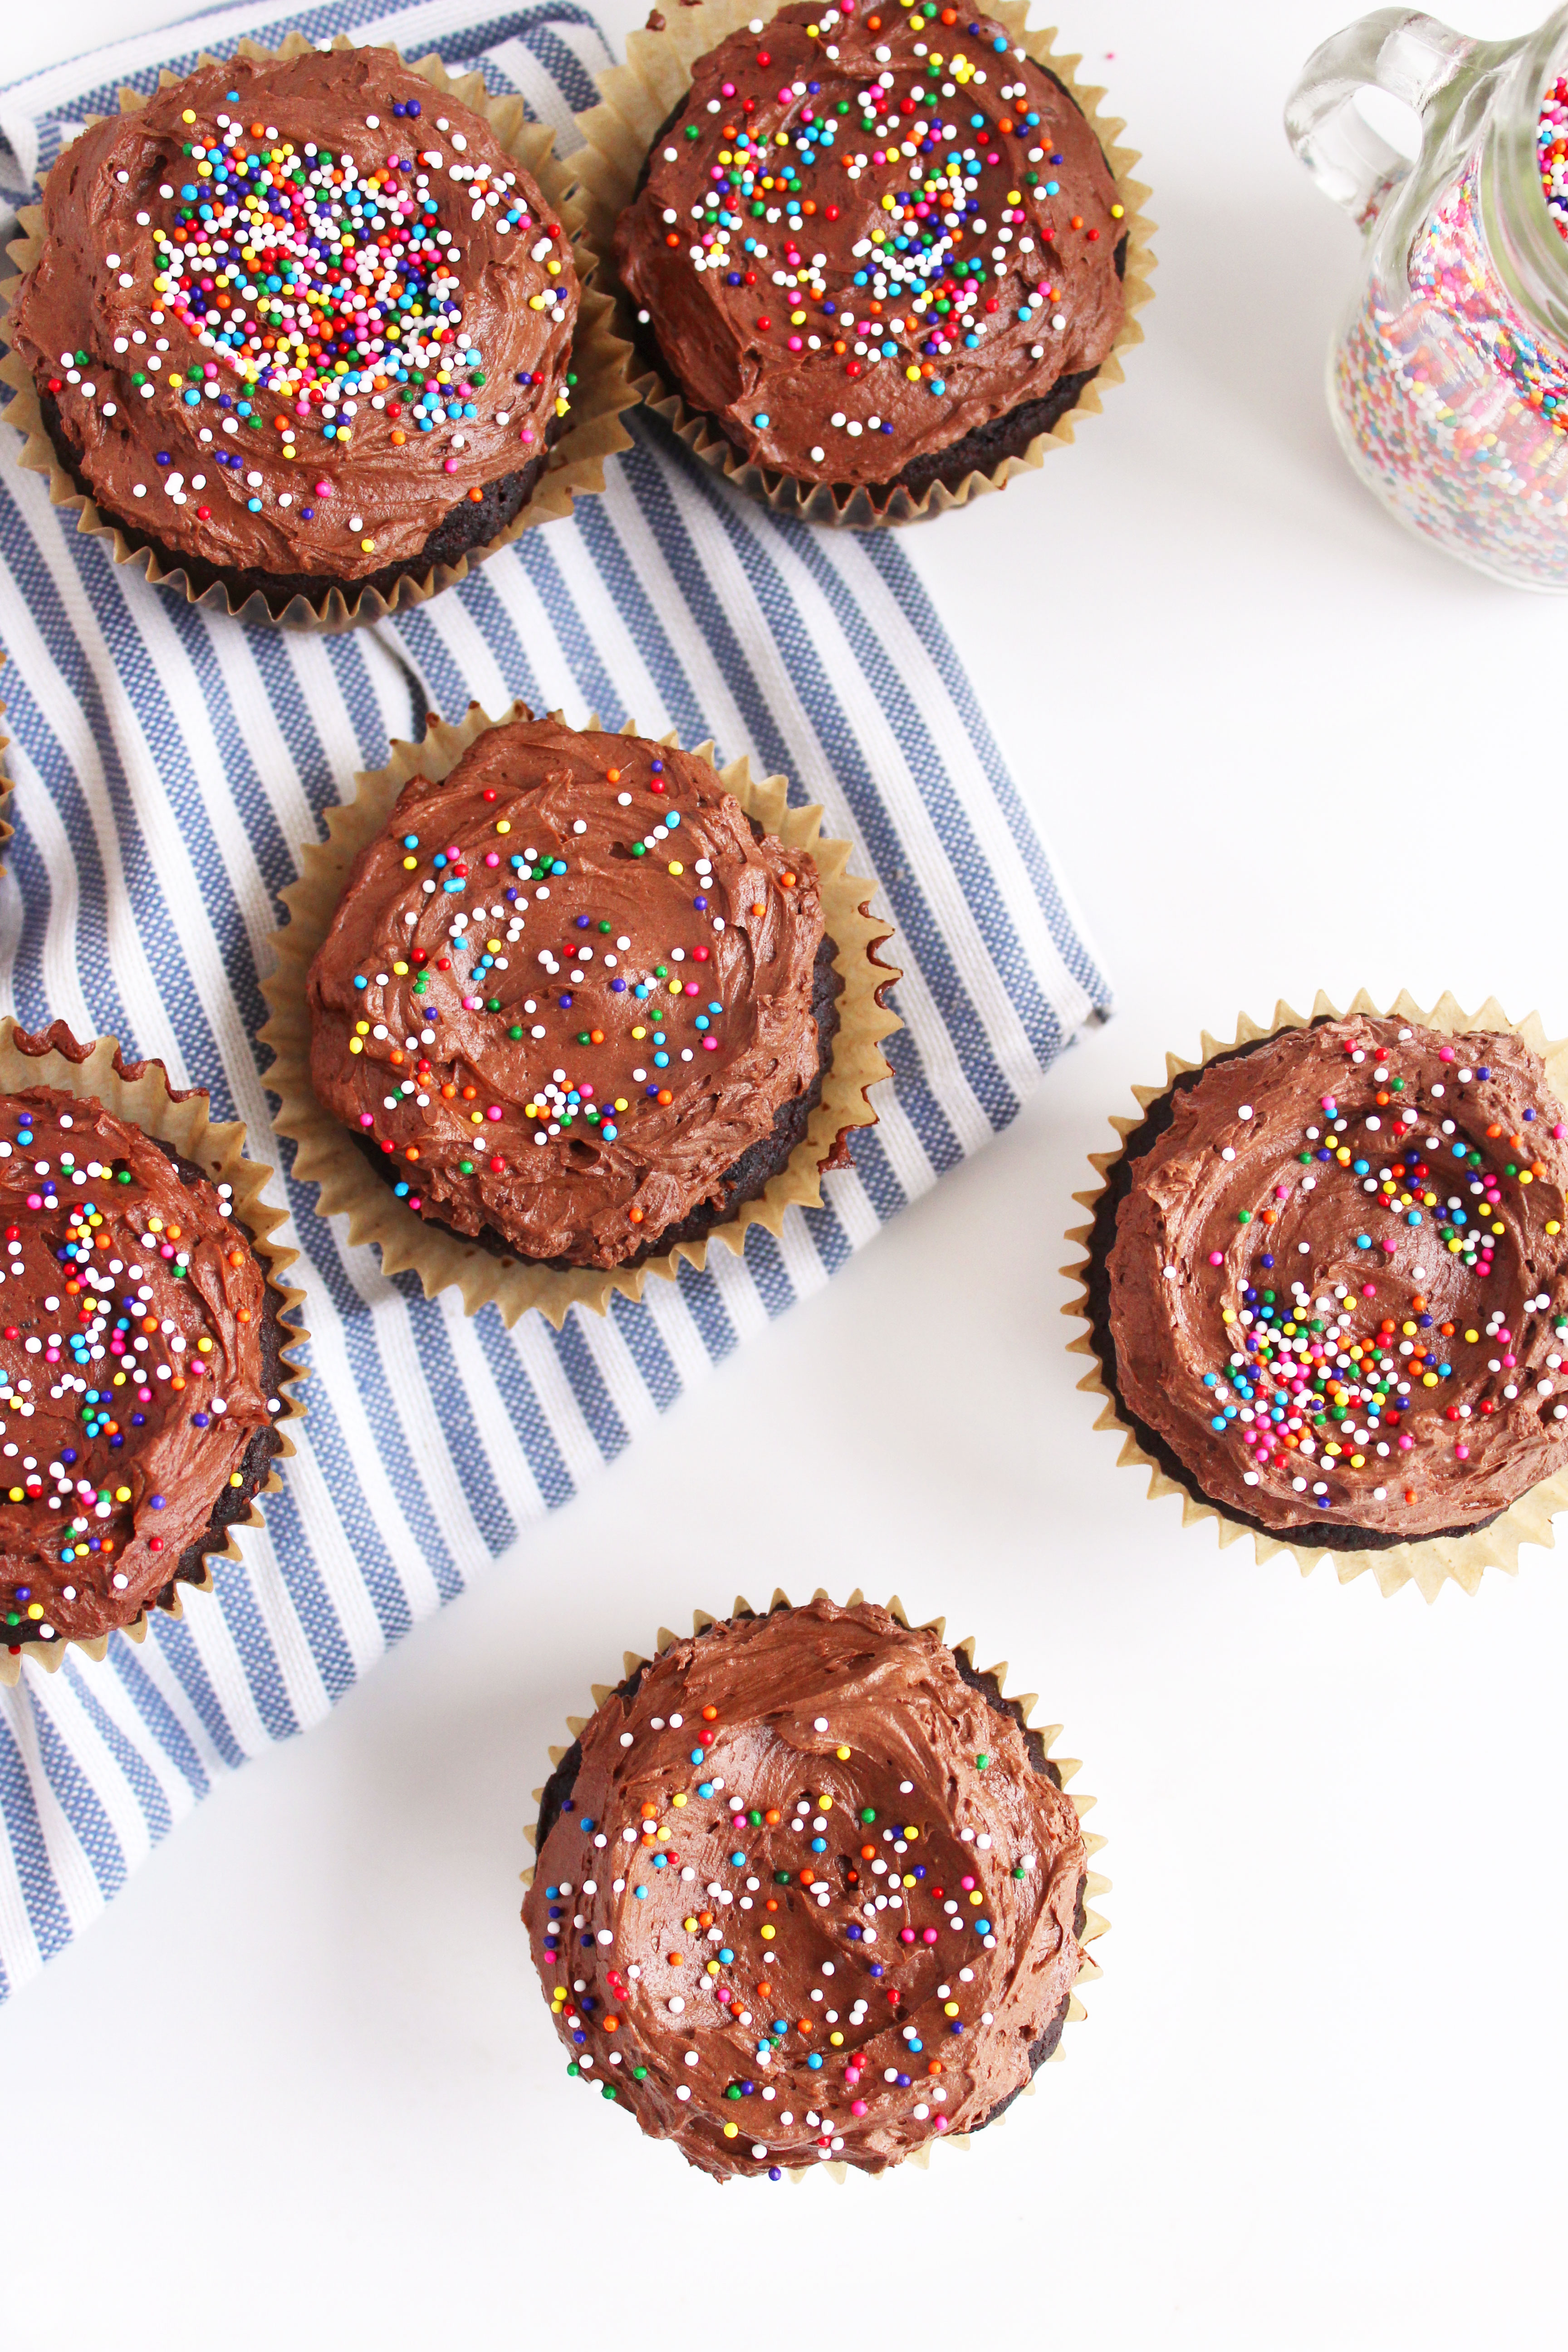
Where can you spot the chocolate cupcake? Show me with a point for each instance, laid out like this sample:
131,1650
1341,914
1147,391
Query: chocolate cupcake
808,1888
574,1002
142,1375
880,254
1327,1289
303,328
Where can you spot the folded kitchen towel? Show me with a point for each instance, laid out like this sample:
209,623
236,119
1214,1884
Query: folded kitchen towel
168,763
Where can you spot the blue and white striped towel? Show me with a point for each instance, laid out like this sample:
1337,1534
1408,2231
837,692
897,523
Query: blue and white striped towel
169,762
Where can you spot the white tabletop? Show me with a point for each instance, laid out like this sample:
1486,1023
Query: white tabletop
297,2087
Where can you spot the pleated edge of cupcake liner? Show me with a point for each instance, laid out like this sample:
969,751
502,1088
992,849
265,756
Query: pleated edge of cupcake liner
637,97
327,1156
142,1094
1430,1564
1067,1768
603,362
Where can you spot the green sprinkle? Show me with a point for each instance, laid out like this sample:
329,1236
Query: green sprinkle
982,1761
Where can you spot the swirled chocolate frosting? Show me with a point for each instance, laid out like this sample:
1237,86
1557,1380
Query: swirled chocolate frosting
867,235
806,1896
565,989
1338,1280
292,315
133,1367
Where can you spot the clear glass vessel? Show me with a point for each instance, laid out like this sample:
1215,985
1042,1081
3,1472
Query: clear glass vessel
1448,379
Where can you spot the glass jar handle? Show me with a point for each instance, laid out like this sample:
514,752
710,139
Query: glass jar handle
1412,57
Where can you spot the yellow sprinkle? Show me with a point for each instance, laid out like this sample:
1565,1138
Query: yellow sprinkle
676,867
843,1754
187,116
679,1799
1552,1226
1116,210
1472,1337
400,968
356,1045
409,863
503,824
824,1805
361,1028
730,2130
205,1348
367,544
767,1935
621,1102
949,2009
837,2040
635,1033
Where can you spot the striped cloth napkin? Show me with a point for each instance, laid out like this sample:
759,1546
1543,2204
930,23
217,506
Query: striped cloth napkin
168,762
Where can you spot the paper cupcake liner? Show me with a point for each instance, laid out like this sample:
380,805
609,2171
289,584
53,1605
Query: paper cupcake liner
638,98
1439,1559
1066,1768
600,362
328,1156
141,1094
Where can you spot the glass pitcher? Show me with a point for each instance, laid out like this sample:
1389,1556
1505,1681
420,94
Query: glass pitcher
1448,380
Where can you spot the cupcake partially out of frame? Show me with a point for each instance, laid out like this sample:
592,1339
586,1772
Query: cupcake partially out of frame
557,1005
1327,1289
876,257
307,329
809,1889
144,1378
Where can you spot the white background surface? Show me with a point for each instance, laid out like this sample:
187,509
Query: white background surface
298,2088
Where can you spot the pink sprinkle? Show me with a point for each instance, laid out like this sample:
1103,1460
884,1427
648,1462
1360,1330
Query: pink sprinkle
795,344
35,1201
1405,1444
967,1885
473,1003
1282,1192
365,1119
492,857
1389,1245
906,1935
1559,1131
323,490
1445,1053
494,1111
857,2106
1509,1362
1369,1290
449,464
710,1044
1217,1257
726,90
928,1935
527,433
1461,1452
942,2122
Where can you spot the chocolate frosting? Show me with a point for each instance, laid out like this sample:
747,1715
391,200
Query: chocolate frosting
415,265
131,1366
933,273
1339,1281
809,1897
567,989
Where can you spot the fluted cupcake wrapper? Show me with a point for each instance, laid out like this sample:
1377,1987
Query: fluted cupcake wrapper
141,1094
1429,1564
1065,1769
600,362
639,97
328,1156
